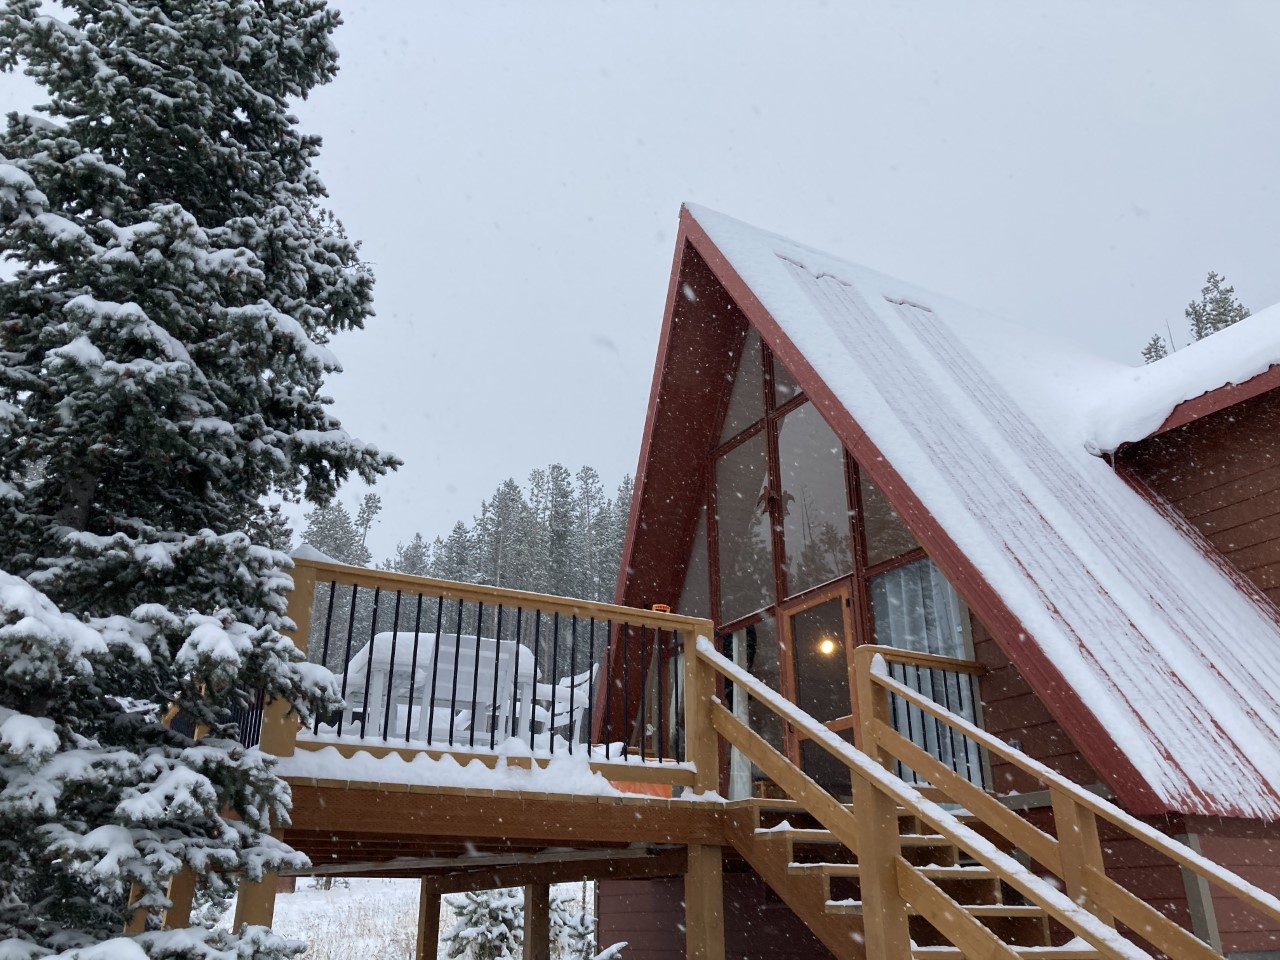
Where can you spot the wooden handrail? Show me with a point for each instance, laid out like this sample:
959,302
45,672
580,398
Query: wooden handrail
929,661
873,782
326,572
280,727
1058,785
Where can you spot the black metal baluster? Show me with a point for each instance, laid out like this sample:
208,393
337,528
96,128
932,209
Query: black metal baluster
661,703
346,657
324,648
537,652
453,694
515,679
413,673
573,674
391,669
475,675
626,692
497,663
429,703
555,680
591,685
368,663
609,681
644,697
677,692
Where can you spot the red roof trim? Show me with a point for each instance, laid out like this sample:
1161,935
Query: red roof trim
1090,735
1220,398
650,417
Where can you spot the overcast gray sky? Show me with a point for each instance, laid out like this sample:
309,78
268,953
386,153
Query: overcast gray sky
515,171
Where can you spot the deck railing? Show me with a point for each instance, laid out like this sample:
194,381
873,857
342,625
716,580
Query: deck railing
426,664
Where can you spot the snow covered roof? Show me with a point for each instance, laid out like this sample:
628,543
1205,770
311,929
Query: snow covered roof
1136,401
986,438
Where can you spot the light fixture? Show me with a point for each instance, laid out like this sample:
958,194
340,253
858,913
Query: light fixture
826,646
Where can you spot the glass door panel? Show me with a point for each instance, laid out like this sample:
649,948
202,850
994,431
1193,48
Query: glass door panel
819,641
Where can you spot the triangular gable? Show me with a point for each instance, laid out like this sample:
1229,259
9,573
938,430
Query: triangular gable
1145,649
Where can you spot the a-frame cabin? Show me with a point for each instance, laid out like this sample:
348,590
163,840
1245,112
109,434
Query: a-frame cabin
833,458
974,653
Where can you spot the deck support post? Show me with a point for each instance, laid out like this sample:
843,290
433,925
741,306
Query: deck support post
279,730
537,921
428,921
701,743
1078,842
256,901
884,911
182,890
137,922
704,904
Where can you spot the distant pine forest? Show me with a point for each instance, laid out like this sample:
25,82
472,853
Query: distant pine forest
558,533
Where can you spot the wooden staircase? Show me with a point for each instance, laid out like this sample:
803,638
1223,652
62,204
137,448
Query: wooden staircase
819,878
940,869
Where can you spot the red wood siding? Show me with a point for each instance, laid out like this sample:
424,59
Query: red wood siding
1012,711
1222,473
649,915
1251,849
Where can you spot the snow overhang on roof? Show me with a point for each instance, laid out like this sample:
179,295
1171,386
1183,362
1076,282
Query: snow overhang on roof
1234,364
985,437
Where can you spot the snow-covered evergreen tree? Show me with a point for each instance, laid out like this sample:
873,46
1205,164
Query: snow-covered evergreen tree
490,925
1155,349
454,558
172,283
366,516
413,558
573,929
331,530
1216,309
592,581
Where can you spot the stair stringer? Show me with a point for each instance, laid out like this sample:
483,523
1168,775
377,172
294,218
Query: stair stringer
806,895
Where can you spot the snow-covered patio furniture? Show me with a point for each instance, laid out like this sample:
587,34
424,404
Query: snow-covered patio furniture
446,692
563,707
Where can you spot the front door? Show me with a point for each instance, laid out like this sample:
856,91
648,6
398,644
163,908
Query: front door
818,649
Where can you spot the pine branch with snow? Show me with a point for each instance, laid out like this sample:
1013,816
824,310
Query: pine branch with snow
173,282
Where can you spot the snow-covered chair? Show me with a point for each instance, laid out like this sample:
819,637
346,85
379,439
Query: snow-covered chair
563,707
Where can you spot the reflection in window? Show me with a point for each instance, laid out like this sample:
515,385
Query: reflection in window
742,528
746,400
755,649
887,535
695,597
815,514
784,385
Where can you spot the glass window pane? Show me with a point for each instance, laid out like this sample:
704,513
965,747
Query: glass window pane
915,608
887,535
755,649
746,400
784,385
742,527
815,512
695,597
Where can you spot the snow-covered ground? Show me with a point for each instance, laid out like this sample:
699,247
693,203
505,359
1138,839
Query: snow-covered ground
366,919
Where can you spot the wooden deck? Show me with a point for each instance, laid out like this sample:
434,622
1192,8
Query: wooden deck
889,843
